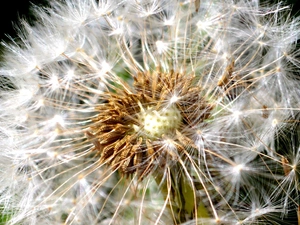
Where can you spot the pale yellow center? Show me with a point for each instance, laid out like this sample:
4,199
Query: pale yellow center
156,123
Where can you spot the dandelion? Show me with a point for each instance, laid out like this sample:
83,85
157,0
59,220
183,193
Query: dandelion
151,112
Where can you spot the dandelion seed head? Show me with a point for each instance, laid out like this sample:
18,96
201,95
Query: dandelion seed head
161,122
140,120
150,112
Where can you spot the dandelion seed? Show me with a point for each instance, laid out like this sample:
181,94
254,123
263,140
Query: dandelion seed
237,169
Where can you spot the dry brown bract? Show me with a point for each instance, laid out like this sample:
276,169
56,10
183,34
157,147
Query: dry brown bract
149,124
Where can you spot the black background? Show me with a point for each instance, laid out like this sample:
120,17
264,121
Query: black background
11,11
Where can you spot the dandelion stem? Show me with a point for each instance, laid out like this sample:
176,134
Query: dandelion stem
181,196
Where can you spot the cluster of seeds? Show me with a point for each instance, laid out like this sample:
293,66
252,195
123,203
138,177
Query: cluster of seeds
135,122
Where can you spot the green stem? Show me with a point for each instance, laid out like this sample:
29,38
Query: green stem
180,194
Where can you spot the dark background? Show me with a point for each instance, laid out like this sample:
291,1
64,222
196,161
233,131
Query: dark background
11,10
